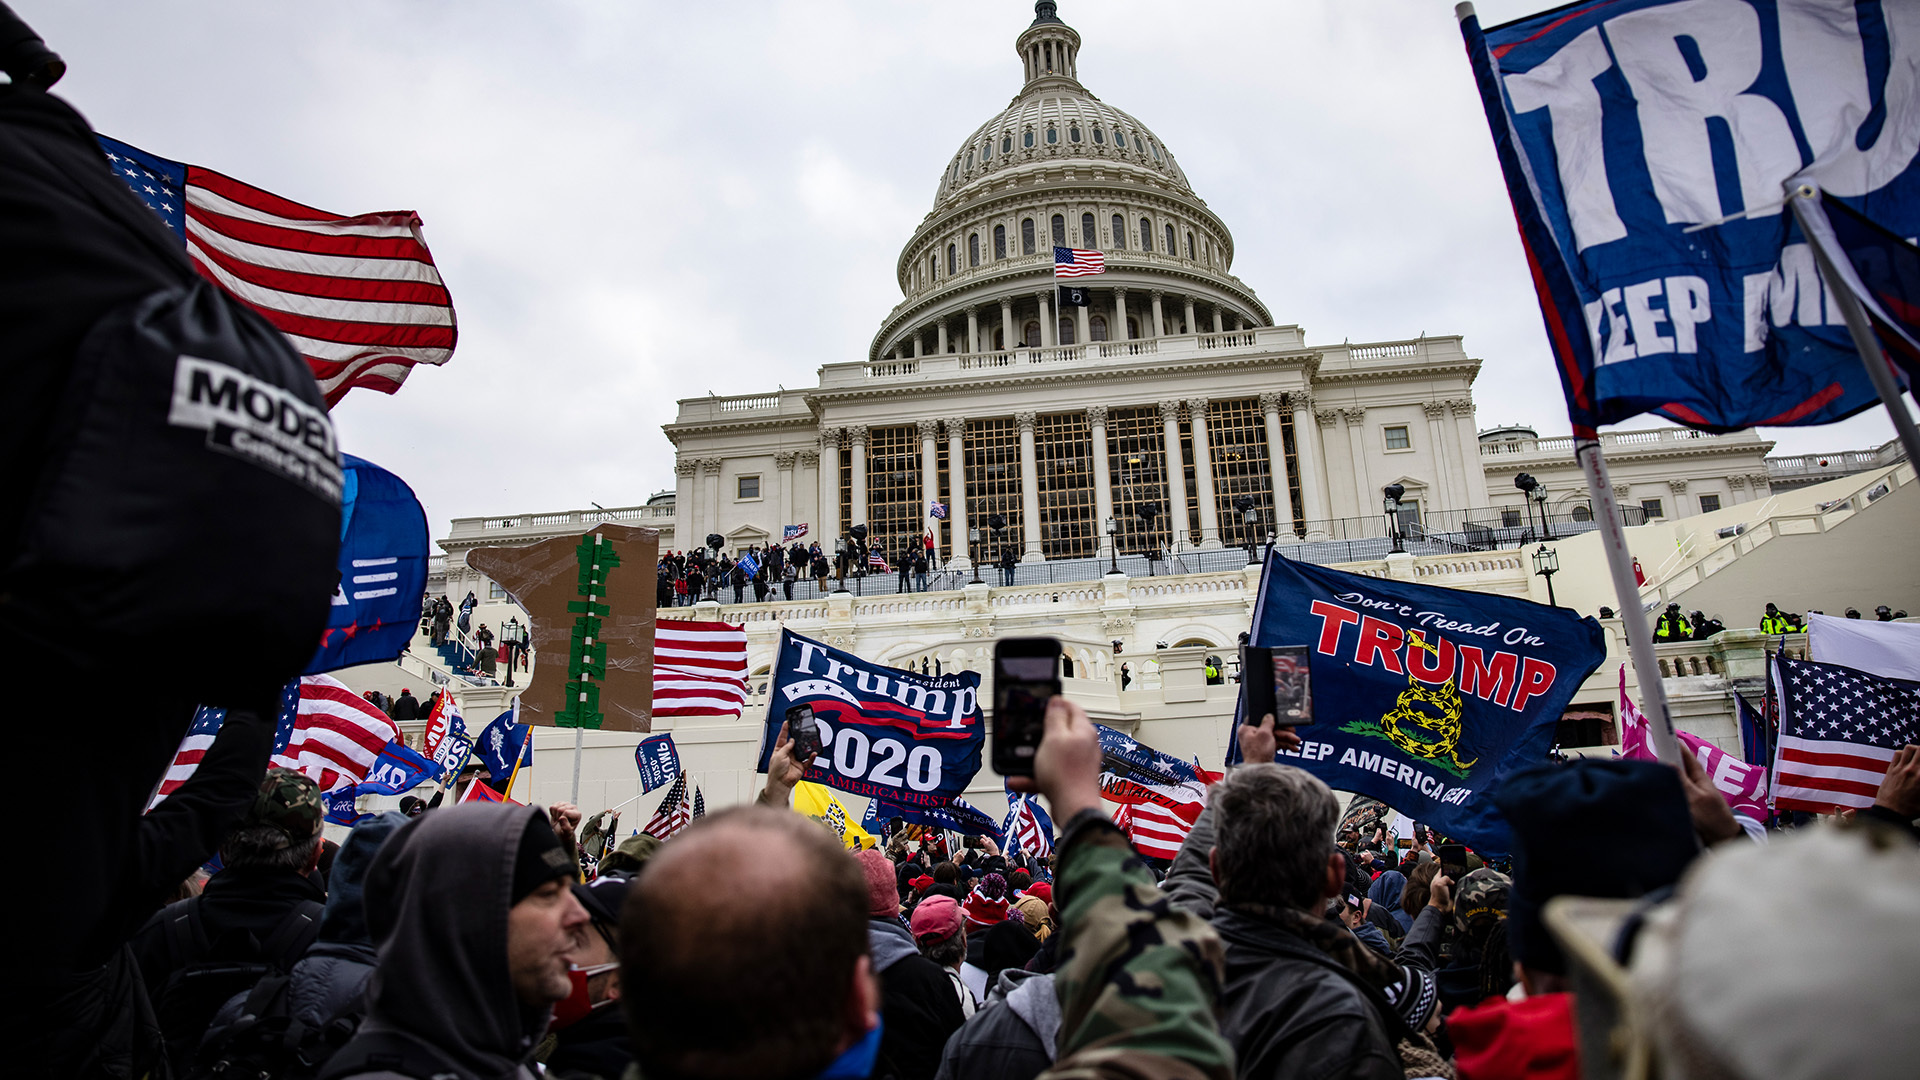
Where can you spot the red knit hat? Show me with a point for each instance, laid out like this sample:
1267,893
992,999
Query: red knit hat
1041,889
1532,1038
922,882
983,911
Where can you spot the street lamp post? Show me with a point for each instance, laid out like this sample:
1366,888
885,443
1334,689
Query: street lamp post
998,523
1146,513
1113,545
1250,518
1527,485
1391,506
1546,563
973,545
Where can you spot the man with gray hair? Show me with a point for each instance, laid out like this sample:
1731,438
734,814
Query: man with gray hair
1303,997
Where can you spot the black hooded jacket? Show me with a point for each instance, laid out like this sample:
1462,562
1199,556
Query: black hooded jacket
441,1001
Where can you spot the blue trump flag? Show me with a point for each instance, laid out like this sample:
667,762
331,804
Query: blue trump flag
659,762
959,815
383,570
889,734
398,769
1423,697
1648,147
340,805
502,742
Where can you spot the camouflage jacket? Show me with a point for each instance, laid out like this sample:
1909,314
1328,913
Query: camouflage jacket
1139,981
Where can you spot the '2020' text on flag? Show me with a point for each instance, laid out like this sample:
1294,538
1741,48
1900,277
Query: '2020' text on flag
359,297
1648,147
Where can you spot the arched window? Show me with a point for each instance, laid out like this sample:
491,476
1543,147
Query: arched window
1189,245
1026,236
1073,133
999,339
973,249
953,258
1172,248
1146,235
1583,512
1099,137
1097,328
1155,147
969,163
1053,134
1006,144
1026,138
1033,334
999,241
1119,232
933,267
1059,231
1133,327
1087,236
1066,332
1119,138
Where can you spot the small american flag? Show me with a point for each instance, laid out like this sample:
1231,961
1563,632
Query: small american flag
1839,730
877,561
337,734
937,511
675,813
699,668
199,739
699,803
1028,828
1158,832
359,297
1078,262
793,532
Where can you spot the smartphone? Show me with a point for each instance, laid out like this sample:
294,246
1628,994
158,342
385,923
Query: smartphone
1453,860
804,730
1276,680
1026,675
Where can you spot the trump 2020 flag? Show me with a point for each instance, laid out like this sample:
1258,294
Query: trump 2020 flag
889,734
1648,148
658,760
383,570
398,769
1423,697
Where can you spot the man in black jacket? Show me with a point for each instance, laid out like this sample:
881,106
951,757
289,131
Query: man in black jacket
406,707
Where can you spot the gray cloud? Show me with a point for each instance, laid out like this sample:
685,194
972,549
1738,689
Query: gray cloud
638,202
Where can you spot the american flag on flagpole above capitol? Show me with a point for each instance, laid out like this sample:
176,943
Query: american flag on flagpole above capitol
1078,262
359,297
699,668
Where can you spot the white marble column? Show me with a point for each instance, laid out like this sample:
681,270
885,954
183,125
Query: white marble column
1177,524
1030,524
810,459
857,436
1159,325
929,475
1356,419
1466,438
1082,330
828,526
973,328
1284,512
940,341
919,343
687,509
1203,475
1049,330
784,462
1313,477
1102,477
1189,327
710,495
1007,338
959,554
1219,327
1119,331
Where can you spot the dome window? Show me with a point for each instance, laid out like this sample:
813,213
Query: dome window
1119,138
1172,248
1189,245
1146,235
1087,235
1119,232
953,259
1026,236
1026,138
1066,332
973,249
1073,133
999,241
1006,144
969,164
1155,147
1053,135
1099,137
986,152
1059,231
1097,328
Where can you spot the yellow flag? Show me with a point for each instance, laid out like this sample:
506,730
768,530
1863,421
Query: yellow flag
818,803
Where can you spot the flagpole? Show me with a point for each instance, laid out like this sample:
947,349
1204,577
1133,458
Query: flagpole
1633,616
1819,233
579,736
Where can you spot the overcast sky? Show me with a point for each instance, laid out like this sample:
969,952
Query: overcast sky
635,202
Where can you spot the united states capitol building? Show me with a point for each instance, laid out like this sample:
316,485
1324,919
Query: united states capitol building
1137,450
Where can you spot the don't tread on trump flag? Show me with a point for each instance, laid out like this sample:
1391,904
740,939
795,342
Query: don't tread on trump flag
1423,697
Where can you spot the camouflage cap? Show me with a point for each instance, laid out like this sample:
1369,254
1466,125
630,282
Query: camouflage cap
1481,894
290,802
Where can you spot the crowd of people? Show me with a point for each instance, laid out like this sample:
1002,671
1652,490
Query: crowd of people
498,940
688,577
1674,625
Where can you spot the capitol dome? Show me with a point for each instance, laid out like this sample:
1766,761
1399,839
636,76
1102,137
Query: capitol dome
1058,167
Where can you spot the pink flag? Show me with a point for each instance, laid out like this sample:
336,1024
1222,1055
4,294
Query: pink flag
1743,785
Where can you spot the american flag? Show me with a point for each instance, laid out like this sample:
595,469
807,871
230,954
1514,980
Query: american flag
1078,262
1156,830
359,297
699,803
699,668
675,813
480,791
877,561
1027,827
937,511
793,532
199,739
337,734
1839,730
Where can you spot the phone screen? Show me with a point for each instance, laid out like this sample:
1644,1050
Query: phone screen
1292,692
1026,674
1453,860
804,730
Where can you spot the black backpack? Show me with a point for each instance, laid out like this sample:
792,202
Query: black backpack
204,978
269,1041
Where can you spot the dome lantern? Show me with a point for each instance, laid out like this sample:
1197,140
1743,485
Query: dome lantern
1050,50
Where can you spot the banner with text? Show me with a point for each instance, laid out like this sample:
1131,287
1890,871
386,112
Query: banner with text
1424,697
1648,146
1744,786
889,734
